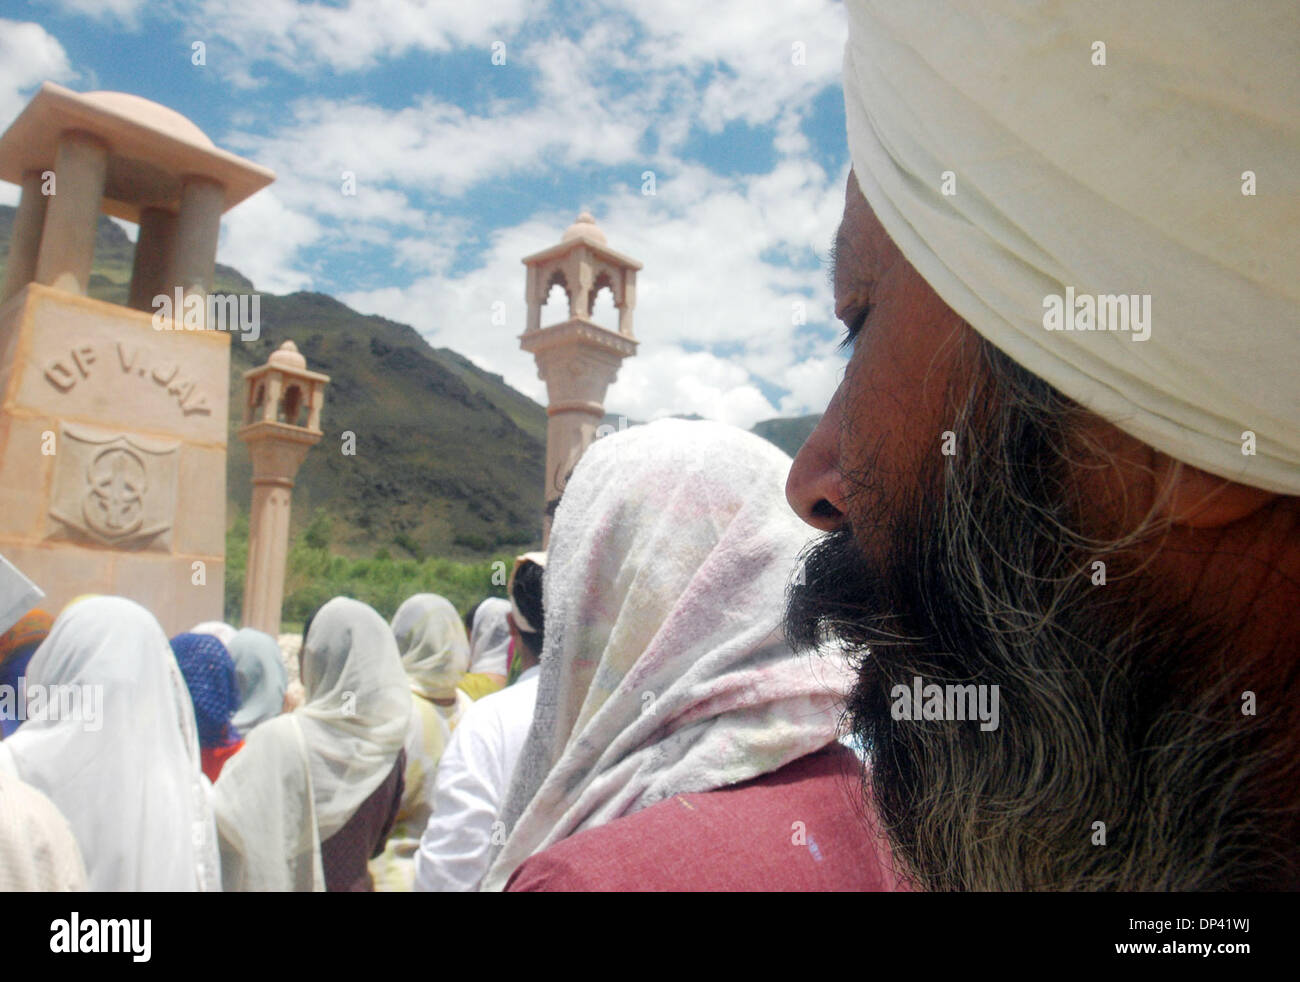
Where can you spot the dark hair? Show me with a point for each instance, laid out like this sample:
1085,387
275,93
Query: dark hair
306,624
469,617
527,596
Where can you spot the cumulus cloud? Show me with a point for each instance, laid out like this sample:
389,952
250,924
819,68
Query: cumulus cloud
733,304
126,11
264,240
345,37
720,312
29,55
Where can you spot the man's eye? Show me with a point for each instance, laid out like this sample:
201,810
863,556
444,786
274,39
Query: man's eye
854,326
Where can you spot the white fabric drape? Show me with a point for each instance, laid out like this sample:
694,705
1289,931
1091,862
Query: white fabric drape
37,848
664,669
220,630
1122,178
489,641
300,777
129,783
262,678
431,638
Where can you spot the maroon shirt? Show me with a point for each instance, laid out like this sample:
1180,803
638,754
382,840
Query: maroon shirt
344,854
801,828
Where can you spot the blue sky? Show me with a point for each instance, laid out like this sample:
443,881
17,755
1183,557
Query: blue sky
464,166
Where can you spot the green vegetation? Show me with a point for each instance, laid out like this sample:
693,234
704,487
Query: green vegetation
314,575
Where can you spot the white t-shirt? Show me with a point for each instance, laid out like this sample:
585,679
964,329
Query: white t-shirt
473,778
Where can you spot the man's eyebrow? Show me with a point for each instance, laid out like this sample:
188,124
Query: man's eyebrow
833,259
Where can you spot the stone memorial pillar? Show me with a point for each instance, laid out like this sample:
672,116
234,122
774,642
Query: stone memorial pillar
114,423
577,358
283,404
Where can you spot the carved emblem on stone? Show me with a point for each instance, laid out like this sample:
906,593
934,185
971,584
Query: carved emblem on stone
115,489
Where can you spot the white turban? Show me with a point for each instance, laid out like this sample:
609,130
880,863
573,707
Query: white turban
1122,178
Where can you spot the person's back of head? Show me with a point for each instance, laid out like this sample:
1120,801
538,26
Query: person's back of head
527,612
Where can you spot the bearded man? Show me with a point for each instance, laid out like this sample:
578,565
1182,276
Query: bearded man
1026,484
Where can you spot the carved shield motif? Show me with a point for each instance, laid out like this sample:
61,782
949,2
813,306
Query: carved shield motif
113,488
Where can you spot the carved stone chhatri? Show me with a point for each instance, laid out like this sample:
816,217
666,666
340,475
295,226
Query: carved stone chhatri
577,358
283,402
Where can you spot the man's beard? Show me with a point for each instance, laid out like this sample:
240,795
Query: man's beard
1119,704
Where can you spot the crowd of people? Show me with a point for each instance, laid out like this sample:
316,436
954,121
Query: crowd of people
1093,529
634,669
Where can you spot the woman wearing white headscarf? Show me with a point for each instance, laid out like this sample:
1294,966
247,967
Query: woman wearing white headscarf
126,774
489,641
435,652
663,669
313,793
262,678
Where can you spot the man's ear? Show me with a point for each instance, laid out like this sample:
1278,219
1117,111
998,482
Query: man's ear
1199,500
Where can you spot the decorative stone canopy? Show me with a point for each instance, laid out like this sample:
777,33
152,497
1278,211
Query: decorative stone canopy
284,393
151,149
582,264
577,358
79,156
585,227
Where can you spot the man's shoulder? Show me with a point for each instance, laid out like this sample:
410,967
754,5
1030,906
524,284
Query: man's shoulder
495,714
802,827
507,700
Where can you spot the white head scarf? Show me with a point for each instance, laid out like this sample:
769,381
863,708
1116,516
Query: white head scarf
220,630
1122,178
262,678
664,669
132,788
300,777
489,641
37,848
431,638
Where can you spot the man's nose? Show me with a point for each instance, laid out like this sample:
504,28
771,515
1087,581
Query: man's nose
815,489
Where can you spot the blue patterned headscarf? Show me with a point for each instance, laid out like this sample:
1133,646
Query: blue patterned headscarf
210,675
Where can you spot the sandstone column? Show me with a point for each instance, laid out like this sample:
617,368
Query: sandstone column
194,250
578,359
72,214
273,393
25,242
152,248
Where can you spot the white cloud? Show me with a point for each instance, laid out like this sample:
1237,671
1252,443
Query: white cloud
263,240
29,55
811,383
706,285
726,258
666,379
126,11
346,37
